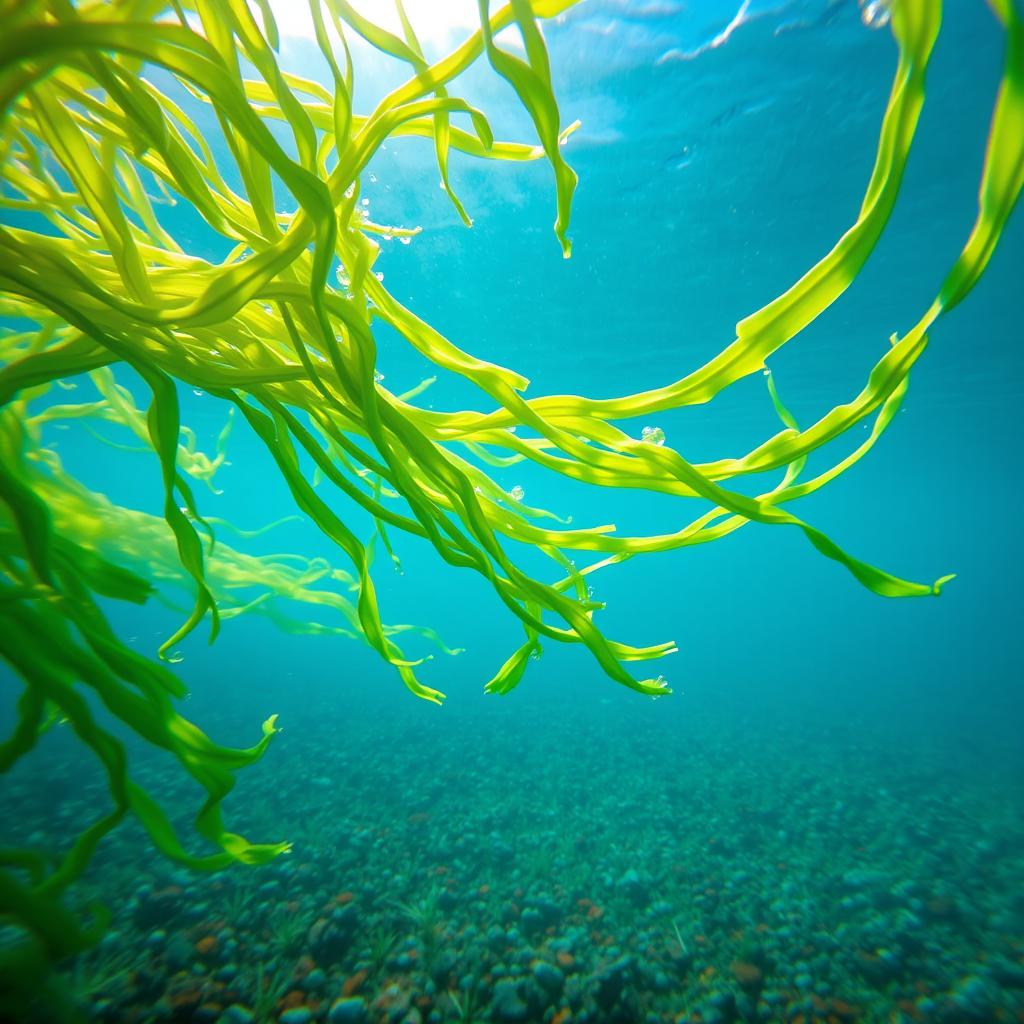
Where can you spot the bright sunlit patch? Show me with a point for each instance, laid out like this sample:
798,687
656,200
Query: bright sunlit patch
437,22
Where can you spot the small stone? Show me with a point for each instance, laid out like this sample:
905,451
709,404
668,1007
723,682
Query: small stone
631,885
347,1010
227,973
237,1014
507,1006
549,977
749,976
612,981
316,979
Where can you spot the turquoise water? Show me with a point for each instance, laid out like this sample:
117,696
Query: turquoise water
824,822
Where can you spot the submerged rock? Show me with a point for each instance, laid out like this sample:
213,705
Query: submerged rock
347,1010
632,886
507,1005
549,977
237,1014
612,982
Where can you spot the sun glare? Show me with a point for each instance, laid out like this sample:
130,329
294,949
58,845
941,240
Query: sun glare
437,22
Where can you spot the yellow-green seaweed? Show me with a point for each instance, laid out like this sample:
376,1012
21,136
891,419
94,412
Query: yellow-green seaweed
91,148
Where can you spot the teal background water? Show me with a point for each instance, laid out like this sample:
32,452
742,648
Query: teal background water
708,185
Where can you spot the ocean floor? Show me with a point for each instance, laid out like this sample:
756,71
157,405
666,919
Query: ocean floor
716,865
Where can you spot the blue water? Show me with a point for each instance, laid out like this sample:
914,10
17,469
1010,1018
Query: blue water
816,731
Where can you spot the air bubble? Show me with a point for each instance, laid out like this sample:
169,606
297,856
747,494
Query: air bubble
653,435
377,376
198,393
875,13
517,493
176,658
405,240
379,275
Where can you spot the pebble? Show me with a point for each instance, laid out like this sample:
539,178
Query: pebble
315,980
549,977
507,1006
237,1014
347,1010
296,1015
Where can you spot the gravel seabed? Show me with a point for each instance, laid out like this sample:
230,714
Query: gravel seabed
729,864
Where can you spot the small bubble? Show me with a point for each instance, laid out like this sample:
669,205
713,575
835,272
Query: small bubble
767,372
379,275
176,657
373,179
875,13
184,510
198,393
517,493
365,201
377,376
405,240
653,435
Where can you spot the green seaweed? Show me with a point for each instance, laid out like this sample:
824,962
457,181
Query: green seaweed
91,148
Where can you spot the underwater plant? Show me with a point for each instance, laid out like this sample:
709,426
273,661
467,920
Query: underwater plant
99,108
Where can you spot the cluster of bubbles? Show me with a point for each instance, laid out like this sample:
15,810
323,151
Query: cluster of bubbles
653,435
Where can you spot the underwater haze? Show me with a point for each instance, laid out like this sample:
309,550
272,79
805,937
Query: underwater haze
824,820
